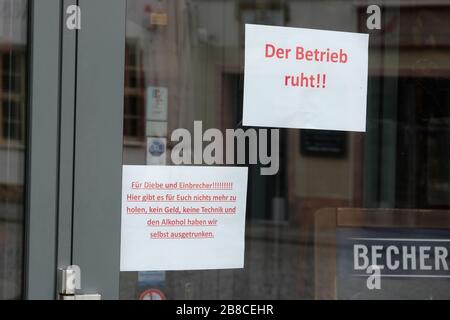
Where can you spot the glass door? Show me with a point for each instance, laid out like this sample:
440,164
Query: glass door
30,41
144,68
185,63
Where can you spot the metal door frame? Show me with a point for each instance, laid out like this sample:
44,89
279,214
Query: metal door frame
98,145
41,196
74,146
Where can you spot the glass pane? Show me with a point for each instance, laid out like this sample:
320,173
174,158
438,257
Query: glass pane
195,50
13,97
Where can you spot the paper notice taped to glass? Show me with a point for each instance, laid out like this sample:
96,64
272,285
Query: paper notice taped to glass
305,78
183,218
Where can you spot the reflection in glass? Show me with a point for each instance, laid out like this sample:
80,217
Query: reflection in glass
13,79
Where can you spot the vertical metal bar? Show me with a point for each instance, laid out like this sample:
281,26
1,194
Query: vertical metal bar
67,120
98,146
42,151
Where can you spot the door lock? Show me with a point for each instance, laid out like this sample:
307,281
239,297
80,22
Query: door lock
69,280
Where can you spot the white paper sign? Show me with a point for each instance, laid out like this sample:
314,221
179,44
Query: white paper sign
183,218
305,78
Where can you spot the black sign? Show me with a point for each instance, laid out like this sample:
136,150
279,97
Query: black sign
323,143
393,263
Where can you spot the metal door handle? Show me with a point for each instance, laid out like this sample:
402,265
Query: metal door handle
69,280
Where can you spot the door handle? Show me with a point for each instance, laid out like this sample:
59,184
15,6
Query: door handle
69,280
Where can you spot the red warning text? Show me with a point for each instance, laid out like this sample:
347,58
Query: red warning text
304,80
302,54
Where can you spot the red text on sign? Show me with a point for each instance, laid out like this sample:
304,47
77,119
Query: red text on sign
307,81
302,54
